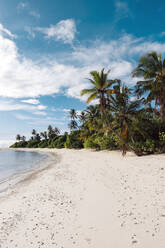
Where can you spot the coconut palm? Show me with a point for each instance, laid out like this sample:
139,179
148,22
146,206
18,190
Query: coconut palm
37,137
101,88
56,131
53,132
73,114
34,132
50,131
124,112
73,125
82,117
23,138
44,135
18,137
152,68
94,119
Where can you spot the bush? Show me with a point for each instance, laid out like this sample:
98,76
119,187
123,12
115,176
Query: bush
43,144
107,142
59,142
90,143
73,140
20,144
101,142
146,147
33,144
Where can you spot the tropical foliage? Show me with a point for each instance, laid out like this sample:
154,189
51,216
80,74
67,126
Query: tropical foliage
122,117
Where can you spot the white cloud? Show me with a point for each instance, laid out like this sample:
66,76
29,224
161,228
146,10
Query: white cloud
21,77
162,34
34,14
30,31
122,10
9,105
6,143
40,113
64,30
31,101
22,117
6,31
22,5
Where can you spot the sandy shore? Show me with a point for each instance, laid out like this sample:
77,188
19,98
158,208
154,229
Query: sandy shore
88,199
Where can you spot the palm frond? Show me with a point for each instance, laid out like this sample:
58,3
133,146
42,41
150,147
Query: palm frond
87,91
91,97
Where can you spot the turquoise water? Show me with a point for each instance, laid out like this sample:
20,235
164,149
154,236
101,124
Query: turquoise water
16,162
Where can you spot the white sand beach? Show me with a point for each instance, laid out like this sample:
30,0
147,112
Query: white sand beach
88,199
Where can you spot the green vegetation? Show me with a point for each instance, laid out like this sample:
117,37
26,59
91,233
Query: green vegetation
122,118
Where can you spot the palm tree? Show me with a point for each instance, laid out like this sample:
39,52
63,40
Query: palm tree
152,68
37,137
73,125
56,131
82,117
34,132
94,118
18,137
50,131
23,138
73,116
44,135
101,88
125,111
53,132
101,91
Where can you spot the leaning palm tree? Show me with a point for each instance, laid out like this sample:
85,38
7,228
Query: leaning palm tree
152,68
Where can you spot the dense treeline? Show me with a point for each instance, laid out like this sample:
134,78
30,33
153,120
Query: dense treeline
123,118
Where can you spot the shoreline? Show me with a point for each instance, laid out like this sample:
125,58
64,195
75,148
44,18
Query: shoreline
88,199
9,183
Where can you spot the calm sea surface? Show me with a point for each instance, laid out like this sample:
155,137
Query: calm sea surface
13,162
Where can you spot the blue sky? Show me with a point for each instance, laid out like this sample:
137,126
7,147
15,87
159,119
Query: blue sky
47,49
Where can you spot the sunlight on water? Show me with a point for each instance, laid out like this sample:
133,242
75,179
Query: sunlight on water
13,162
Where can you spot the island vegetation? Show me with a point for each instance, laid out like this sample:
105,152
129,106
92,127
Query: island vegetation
122,117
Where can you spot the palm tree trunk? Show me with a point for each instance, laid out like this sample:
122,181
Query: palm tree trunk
162,108
156,105
125,146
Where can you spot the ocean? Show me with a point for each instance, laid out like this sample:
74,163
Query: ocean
13,164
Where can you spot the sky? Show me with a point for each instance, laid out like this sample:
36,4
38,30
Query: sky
48,48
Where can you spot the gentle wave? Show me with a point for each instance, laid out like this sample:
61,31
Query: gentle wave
17,165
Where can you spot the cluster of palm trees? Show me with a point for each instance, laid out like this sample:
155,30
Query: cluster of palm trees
118,111
129,118
20,138
49,134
